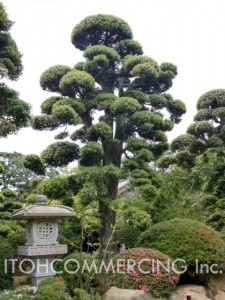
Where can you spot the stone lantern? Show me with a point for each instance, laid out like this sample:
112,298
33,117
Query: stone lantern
42,247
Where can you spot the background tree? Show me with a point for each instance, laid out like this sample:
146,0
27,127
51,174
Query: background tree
14,113
128,89
201,152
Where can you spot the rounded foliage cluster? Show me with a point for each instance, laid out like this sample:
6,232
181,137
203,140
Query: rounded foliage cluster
186,239
91,154
100,29
52,289
50,79
60,153
143,269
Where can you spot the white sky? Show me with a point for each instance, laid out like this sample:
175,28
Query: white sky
188,33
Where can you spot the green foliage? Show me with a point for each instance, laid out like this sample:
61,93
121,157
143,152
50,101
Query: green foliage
187,239
81,294
117,79
6,278
206,133
1,169
126,47
15,113
157,281
52,289
5,23
201,129
11,235
55,188
59,187
100,30
80,269
185,159
179,196
141,97
104,100
110,53
182,142
50,79
91,154
148,191
10,57
99,131
33,162
60,154
125,105
44,122
133,217
86,220
8,193
77,83
111,173
165,161
136,144
46,106
25,293
127,235
76,104
64,114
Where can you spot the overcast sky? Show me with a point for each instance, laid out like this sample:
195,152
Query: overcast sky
187,33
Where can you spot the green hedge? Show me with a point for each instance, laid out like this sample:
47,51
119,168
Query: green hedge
189,240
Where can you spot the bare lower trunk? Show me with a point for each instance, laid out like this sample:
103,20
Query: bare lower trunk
107,232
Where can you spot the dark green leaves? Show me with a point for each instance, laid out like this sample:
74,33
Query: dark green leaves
127,47
5,23
14,113
50,79
182,142
10,57
91,154
125,105
64,114
100,30
34,163
77,83
211,106
110,53
212,99
60,154
44,122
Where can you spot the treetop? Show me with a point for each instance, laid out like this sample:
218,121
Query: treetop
100,30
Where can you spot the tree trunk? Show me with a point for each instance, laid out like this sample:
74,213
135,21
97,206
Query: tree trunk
107,232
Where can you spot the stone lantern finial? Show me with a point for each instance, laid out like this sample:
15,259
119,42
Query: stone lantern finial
41,200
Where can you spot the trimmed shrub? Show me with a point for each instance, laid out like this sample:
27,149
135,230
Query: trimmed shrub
187,239
52,289
143,269
127,235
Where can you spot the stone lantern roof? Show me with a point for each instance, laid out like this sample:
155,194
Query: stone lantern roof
41,210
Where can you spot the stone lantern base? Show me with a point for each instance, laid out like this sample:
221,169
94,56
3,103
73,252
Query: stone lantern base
43,270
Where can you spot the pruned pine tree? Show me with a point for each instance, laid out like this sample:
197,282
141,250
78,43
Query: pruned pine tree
129,90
